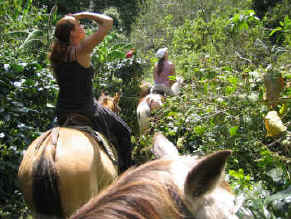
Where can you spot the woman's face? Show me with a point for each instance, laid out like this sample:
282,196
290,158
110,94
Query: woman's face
78,33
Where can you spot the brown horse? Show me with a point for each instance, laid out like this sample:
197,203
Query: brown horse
63,168
170,187
110,102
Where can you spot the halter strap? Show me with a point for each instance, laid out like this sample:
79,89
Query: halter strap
183,209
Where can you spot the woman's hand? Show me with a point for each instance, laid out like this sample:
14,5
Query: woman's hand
101,19
105,24
80,15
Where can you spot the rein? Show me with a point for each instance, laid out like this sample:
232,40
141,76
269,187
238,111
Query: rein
183,209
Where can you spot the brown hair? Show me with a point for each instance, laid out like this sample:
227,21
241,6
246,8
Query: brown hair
160,65
59,47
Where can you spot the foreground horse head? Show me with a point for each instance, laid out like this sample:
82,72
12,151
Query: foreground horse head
173,187
61,170
145,107
110,102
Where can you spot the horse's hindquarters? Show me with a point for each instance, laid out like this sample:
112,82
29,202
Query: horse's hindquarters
81,169
76,163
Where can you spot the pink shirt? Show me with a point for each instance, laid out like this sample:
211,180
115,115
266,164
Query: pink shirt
163,77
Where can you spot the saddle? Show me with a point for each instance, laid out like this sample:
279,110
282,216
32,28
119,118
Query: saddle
161,89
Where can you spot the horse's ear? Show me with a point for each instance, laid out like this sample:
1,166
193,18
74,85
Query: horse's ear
205,175
163,147
116,97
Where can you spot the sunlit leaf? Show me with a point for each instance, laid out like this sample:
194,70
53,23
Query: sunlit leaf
233,130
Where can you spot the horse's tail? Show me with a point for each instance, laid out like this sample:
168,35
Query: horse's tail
45,192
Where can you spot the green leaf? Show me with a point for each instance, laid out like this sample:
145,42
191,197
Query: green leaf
233,130
199,130
17,67
116,54
275,30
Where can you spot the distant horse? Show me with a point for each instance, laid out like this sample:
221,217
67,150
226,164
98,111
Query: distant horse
145,88
174,90
173,187
65,167
110,102
153,100
145,107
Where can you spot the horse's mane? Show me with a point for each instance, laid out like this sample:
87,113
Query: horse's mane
140,193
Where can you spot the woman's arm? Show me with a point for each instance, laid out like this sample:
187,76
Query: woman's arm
105,24
155,73
173,73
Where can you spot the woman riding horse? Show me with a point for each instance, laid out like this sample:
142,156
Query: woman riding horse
64,167
70,59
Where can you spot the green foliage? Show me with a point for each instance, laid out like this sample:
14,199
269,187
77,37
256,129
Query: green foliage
128,69
274,16
158,19
219,47
242,21
109,50
259,203
25,91
127,10
285,29
261,7
221,107
116,73
210,118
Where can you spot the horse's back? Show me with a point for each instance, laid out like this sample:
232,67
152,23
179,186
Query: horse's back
81,169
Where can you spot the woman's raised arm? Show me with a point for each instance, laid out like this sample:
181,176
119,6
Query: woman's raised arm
105,24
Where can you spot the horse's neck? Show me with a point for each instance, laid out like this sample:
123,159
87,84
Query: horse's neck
144,108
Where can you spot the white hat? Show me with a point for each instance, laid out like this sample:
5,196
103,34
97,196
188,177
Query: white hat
161,52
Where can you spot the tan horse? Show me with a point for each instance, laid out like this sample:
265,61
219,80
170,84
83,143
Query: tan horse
110,102
173,187
62,169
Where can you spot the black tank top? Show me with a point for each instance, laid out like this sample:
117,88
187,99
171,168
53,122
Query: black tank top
75,88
